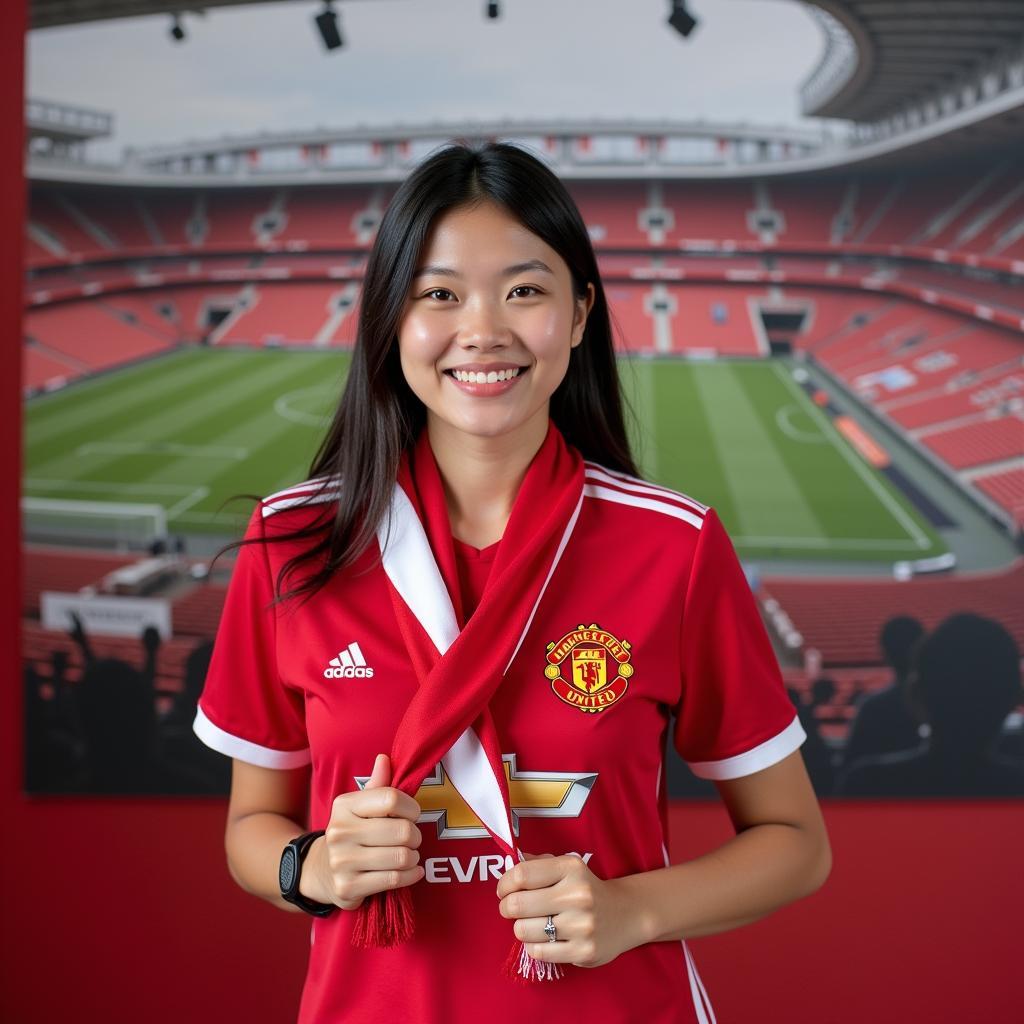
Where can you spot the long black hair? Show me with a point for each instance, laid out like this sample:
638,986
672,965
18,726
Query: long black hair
379,417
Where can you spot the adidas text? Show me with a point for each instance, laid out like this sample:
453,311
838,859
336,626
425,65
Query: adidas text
348,672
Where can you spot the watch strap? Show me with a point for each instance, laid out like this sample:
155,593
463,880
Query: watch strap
290,871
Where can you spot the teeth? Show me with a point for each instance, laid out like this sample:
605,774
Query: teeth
479,377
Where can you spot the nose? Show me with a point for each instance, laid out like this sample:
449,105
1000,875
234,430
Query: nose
483,327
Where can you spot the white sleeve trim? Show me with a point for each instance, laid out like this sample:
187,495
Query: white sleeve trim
245,750
764,755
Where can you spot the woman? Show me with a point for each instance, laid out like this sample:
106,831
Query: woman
473,622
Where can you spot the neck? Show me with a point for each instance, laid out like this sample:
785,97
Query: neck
482,475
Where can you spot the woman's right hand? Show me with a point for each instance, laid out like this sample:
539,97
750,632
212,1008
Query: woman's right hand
371,844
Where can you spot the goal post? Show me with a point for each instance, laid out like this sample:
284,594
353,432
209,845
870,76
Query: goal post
121,525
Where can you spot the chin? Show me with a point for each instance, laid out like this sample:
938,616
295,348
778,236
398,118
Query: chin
487,429
485,426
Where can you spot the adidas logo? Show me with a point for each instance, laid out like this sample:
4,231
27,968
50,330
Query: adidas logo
349,664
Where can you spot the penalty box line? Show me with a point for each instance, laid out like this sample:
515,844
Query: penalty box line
192,495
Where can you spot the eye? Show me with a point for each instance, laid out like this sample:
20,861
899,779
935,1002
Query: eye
525,288
434,292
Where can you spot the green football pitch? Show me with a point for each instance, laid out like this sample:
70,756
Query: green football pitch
189,430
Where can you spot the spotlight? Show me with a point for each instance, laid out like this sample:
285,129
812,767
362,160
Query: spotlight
493,10
327,24
177,32
681,19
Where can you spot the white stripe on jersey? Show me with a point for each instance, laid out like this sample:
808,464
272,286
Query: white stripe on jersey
245,750
304,486
762,756
593,490
312,492
697,993
346,659
597,475
701,1003
357,654
636,481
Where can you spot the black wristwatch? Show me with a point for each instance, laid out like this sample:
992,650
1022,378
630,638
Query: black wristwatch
291,870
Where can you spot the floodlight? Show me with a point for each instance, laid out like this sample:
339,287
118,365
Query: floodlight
327,24
681,19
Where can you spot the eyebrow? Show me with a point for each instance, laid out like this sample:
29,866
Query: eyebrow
516,268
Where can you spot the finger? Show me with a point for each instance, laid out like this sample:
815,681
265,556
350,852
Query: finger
527,903
389,832
385,802
366,883
550,952
381,774
533,874
531,929
382,858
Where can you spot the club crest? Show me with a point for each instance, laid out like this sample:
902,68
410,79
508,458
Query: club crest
589,668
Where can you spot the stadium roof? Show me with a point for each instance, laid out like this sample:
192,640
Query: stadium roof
879,55
51,13
918,79
885,54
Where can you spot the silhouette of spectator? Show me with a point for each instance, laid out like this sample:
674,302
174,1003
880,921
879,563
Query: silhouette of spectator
64,716
967,680
77,633
1011,743
180,745
823,691
816,753
38,764
52,744
151,645
117,717
116,711
886,721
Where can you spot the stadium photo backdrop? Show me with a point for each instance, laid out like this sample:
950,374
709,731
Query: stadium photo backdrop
831,358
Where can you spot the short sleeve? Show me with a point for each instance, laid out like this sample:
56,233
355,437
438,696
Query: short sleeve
245,711
734,716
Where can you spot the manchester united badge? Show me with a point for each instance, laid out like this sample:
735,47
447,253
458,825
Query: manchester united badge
589,668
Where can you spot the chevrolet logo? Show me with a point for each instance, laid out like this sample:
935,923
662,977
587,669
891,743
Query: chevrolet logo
532,795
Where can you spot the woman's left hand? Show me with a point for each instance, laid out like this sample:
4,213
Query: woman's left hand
594,921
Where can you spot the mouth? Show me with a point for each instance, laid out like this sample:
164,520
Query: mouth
482,383
486,376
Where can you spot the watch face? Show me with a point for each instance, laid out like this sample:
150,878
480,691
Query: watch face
287,871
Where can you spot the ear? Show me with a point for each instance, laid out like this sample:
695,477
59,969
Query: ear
583,307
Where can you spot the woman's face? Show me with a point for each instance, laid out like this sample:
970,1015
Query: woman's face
488,324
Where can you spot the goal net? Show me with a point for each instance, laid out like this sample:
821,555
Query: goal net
124,526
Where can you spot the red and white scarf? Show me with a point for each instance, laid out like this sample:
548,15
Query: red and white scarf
459,664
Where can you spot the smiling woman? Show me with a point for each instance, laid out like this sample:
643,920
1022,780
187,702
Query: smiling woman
490,330
495,332
469,630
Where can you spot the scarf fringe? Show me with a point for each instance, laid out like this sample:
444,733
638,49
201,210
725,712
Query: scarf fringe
520,966
385,919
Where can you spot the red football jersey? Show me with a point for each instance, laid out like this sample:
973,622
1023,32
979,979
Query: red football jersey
647,613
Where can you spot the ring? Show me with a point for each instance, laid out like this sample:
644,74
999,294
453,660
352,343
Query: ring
550,931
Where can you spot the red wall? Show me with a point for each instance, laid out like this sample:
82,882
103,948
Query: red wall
122,910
